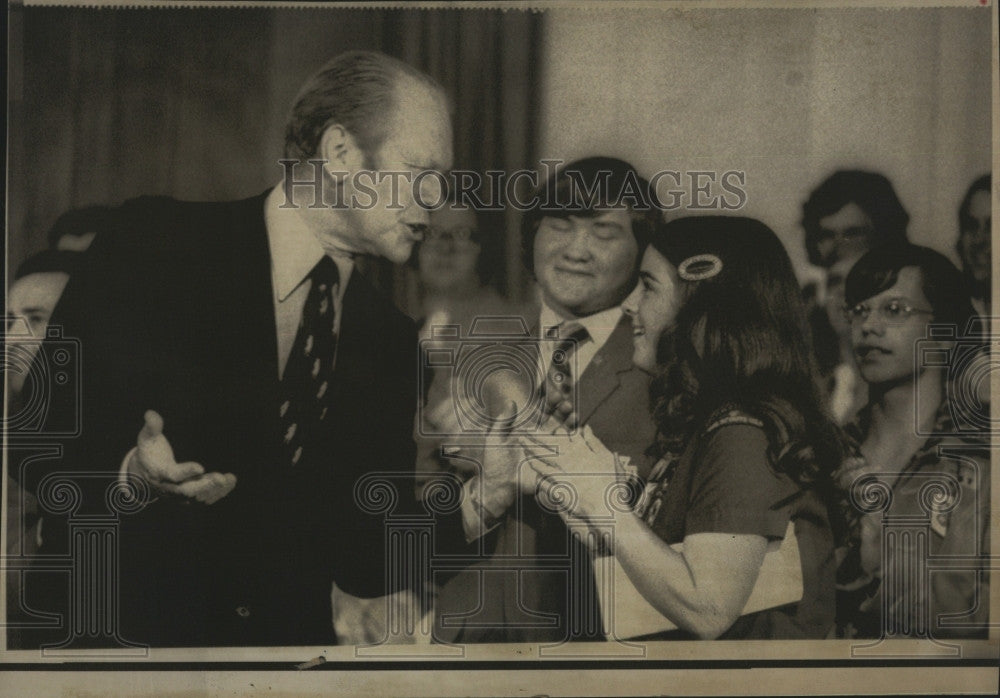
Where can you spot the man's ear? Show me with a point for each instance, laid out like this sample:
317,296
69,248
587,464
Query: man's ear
341,152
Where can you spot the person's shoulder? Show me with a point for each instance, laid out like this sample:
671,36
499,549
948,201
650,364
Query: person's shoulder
731,457
732,434
730,420
158,225
159,212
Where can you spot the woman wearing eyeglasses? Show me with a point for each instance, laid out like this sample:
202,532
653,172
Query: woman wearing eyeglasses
921,402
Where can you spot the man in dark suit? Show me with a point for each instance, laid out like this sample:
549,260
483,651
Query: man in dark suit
583,240
198,331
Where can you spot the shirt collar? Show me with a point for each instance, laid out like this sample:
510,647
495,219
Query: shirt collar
599,325
295,249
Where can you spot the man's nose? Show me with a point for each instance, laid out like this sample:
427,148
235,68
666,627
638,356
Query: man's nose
578,246
417,216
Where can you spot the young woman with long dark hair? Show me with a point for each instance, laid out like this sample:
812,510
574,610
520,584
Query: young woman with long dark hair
745,450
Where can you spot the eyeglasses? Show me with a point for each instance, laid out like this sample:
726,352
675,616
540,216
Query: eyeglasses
894,310
460,236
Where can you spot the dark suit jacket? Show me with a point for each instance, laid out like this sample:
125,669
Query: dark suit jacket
523,602
174,312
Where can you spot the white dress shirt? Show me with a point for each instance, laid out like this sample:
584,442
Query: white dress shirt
599,327
295,250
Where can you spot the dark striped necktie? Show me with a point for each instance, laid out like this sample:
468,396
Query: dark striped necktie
305,385
560,397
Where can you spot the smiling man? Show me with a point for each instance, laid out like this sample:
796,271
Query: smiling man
583,241
247,375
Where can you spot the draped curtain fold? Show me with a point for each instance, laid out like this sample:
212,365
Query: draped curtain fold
487,61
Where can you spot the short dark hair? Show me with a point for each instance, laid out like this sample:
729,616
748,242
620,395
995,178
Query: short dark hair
49,261
81,221
355,89
584,186
984,183
871,191
942,283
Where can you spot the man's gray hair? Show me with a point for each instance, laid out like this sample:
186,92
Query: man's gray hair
355,89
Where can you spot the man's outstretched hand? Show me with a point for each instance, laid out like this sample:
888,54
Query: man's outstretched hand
153,460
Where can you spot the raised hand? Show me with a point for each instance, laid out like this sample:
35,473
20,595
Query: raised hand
154,461
583,466
501,460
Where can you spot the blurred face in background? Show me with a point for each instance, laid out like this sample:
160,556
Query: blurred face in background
846,234
974,240
32,298
835,278
448,255
586,264
885,332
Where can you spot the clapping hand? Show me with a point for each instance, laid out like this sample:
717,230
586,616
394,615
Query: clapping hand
502,457
153,460
583,465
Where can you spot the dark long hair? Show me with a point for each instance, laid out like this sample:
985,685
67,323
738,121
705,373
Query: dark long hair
741,341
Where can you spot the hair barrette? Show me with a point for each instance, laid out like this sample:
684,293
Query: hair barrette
699,267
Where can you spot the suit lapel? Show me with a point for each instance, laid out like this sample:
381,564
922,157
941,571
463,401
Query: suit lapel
360,345
252,276
359,325
254,381
601,378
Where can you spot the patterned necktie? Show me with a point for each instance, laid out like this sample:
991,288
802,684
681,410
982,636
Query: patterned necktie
560,400
305,384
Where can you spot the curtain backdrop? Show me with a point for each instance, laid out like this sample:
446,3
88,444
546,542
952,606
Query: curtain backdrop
112,104
487,60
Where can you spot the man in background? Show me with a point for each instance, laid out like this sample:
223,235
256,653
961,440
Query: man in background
583,240
849,213
38,283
